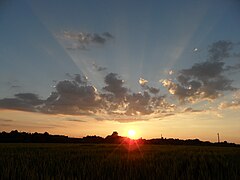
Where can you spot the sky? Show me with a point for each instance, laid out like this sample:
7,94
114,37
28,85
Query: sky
161,68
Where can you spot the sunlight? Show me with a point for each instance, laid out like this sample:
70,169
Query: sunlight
131,133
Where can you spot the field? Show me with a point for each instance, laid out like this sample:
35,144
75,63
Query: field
91,161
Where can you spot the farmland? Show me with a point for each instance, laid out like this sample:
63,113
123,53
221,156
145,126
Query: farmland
108,161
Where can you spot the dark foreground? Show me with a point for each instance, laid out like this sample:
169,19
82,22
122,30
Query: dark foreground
92,161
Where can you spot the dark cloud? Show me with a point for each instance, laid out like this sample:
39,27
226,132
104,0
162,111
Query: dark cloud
169,114
220,50
205,80
80,79
72,97
179,91
22,101
139,104
232,68
81,40
75,96
107,35
77,47
29,98
145,104
143,83
115,85
99,68
153,90
74,120
237,55
96,38
203,71
189,109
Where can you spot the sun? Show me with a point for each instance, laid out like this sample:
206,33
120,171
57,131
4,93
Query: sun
131,133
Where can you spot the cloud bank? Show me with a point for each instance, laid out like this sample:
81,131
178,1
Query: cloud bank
205,80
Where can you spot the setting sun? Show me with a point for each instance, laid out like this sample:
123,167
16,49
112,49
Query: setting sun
131,133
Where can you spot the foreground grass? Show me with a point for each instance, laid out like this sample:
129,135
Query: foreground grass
89,161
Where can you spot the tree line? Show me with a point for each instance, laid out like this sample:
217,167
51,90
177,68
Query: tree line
24,137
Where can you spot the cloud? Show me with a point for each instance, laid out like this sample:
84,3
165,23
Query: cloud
220,50
153,90
189,109
76,46
22,101
4,125
203,71
177,90
170,72
15,86
115,85
145,104
231,105
77,97
204,80
74,120
6,120
234,103
96,38
235,67
107,35
99,68
30,98
73,97
80,79
195,49
82,40
143,83
139,104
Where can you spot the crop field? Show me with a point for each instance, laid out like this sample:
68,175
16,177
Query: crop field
104,161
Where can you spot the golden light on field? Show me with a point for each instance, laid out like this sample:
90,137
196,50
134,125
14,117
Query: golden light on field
131,133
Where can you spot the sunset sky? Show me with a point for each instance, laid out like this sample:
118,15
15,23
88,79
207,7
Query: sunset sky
92,67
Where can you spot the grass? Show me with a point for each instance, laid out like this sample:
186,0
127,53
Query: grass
91,161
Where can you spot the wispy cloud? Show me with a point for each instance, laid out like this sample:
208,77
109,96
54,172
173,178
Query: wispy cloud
6,120
220,50
83,40
99,68
74,120
233,103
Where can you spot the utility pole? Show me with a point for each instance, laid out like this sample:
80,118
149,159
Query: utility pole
218,137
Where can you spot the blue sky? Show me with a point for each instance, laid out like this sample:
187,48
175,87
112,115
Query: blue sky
40,47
